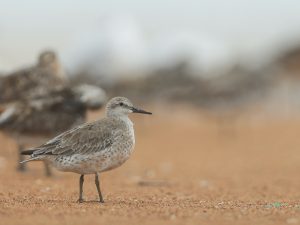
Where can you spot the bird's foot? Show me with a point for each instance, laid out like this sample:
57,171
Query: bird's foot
81,200
48,173
21,168
101,201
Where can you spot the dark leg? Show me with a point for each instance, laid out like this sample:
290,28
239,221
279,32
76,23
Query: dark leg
98,188
21,166
81,179
48,172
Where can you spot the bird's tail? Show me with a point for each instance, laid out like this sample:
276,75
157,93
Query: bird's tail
27,152
32,157
28,160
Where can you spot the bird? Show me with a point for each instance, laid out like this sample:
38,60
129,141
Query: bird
33,121
93,147
38,80
32,82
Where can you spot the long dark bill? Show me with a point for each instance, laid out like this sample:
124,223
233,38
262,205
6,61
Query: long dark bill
136,110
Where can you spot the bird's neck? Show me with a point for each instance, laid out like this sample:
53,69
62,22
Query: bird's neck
123,118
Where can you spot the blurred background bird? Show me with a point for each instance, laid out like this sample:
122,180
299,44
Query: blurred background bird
39,102
35,81
32,121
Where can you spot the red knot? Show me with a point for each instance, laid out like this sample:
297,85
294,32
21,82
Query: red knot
93,147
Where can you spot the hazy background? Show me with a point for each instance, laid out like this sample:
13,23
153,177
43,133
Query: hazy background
233,28
222,79
243,42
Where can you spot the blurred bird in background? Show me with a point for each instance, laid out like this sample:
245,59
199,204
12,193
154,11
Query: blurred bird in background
35,81
38,102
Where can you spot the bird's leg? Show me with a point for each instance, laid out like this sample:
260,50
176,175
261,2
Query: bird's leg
48,172
98,188
81,179
21,166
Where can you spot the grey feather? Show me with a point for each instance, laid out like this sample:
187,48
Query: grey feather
85,139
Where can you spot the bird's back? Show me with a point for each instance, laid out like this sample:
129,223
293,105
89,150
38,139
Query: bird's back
47,116
28,83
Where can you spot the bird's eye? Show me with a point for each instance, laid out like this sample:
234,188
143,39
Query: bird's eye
121,104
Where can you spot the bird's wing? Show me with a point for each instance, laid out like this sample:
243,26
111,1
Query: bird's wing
21,113
28,83
87,138
10,85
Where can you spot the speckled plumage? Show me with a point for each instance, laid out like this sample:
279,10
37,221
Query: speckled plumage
38,80
93,147
48,115
90,148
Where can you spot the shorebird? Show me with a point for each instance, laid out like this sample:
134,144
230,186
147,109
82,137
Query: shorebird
33,121
93,147
47,75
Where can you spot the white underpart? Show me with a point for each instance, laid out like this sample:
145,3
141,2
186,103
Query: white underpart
130,125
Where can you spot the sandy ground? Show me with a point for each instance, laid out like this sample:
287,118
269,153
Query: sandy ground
188,168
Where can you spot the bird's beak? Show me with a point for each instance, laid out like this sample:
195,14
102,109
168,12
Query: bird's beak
136,110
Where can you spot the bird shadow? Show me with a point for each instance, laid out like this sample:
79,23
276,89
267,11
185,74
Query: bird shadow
90,201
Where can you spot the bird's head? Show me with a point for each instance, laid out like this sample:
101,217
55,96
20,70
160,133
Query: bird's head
48,60
120,106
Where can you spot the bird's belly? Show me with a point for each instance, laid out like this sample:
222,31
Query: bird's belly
92,163
114,160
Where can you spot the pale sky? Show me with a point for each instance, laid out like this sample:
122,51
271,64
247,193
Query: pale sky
26,27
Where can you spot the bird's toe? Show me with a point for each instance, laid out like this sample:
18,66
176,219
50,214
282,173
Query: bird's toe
21,168
80,200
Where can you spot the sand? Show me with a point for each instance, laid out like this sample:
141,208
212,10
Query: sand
188,167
